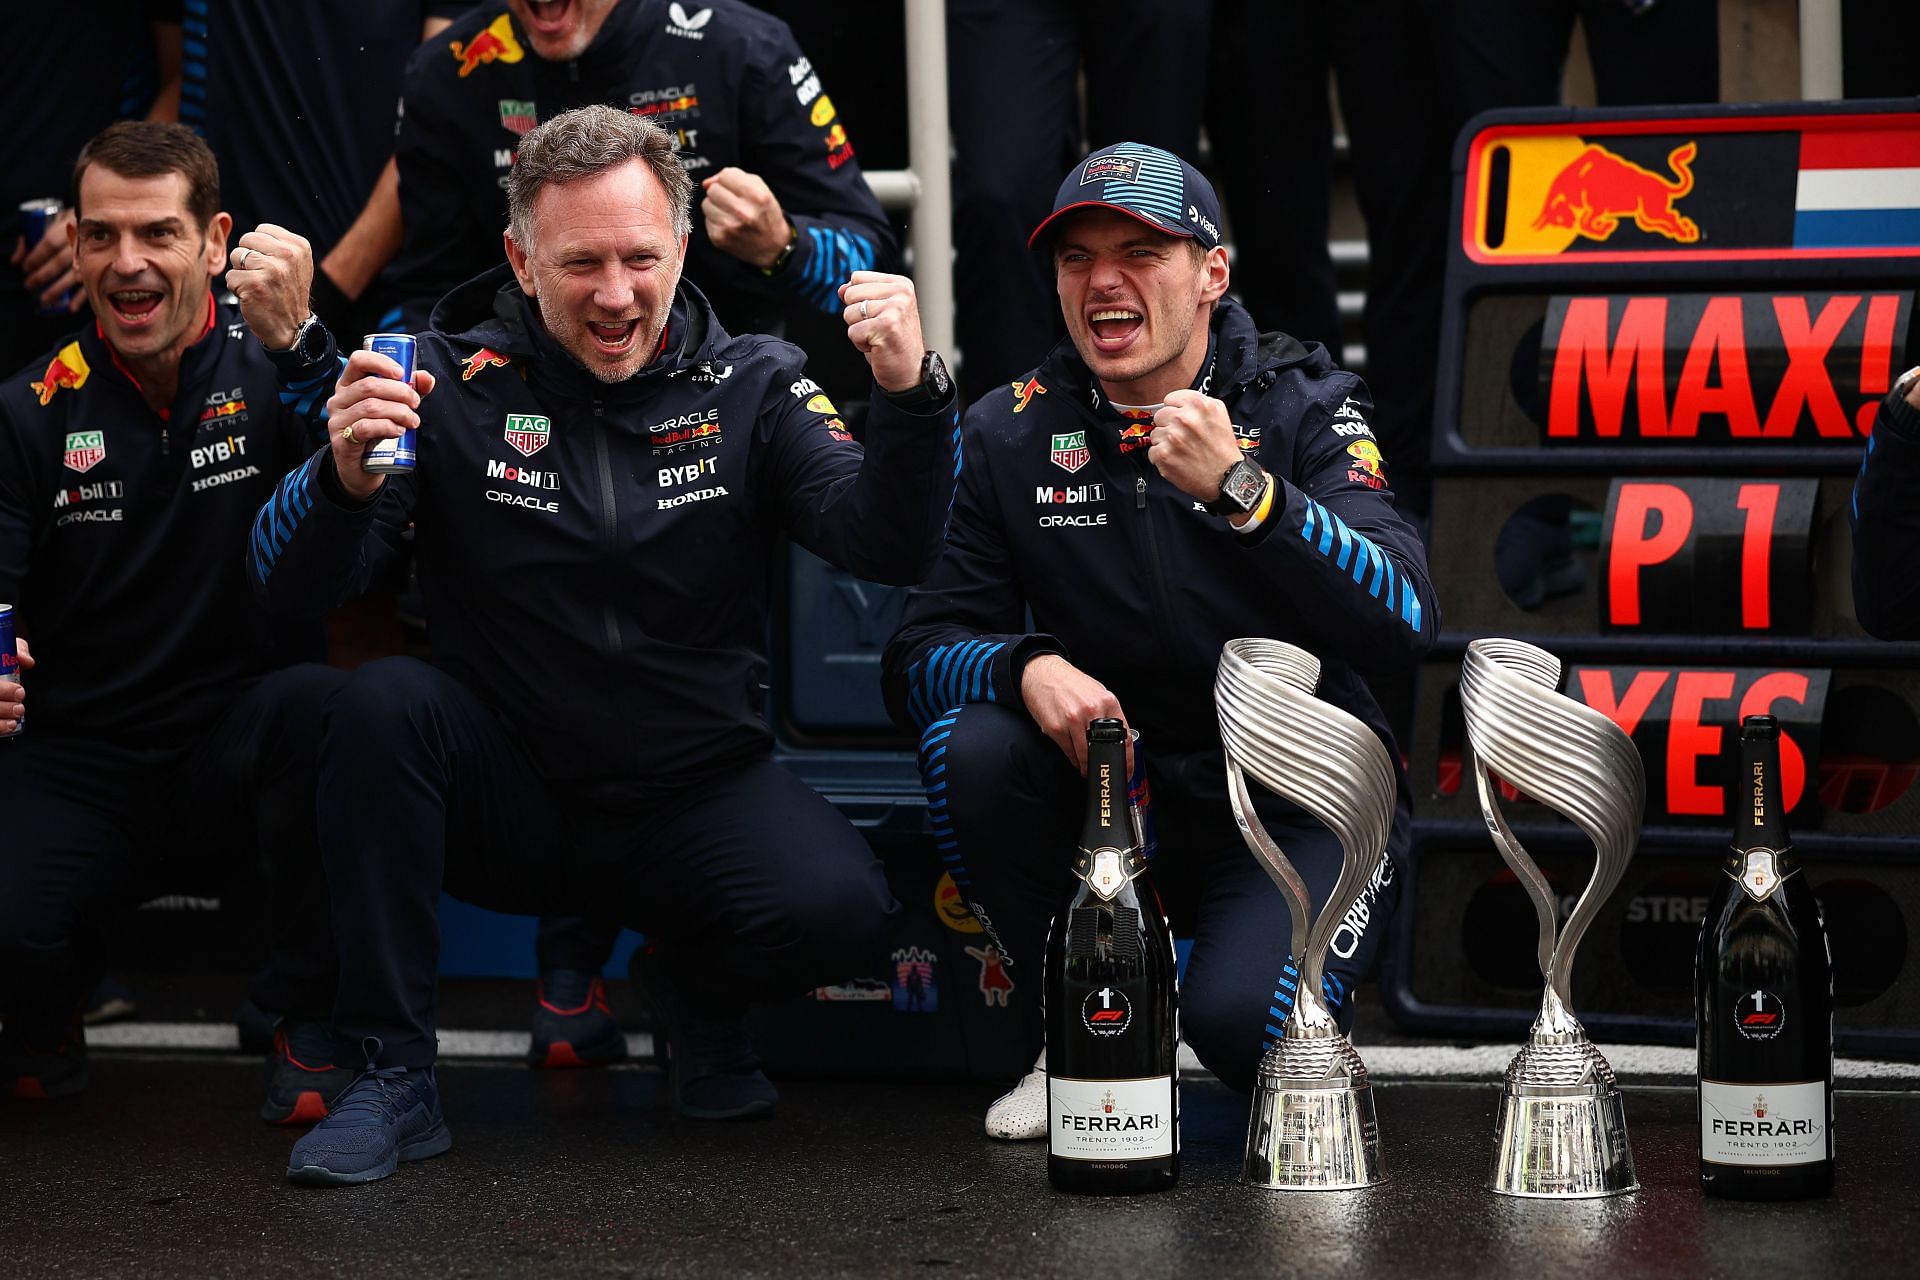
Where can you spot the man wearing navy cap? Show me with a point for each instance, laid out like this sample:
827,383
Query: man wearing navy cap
1165,480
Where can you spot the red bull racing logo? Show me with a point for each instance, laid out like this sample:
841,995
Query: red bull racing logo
495,44
67,370
1136,429
484,358
1367,467
1024,392
1598,189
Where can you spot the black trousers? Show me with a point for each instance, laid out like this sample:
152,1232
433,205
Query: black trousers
1006,806
1513,53
1013,71
756,887
95,828
1271,124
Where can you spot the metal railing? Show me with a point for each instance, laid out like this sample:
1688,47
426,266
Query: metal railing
926,187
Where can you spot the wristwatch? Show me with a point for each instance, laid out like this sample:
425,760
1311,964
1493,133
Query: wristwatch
1904,383
309,341
936,384
1240,490
780,259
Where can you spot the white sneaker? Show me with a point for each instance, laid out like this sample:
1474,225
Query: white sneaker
1020,1114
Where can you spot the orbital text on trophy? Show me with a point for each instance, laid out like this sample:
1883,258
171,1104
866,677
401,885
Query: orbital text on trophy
1313,1126
1562,1128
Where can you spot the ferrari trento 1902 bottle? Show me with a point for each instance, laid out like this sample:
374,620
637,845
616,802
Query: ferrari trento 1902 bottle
1763,998
1113,1100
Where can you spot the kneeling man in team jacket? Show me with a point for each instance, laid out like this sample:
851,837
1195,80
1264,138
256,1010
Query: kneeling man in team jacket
603,471
1168,479
169,740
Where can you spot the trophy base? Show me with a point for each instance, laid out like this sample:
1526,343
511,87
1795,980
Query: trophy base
1562,1145
1314,1130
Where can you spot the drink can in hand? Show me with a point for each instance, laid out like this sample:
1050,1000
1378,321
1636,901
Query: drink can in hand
395,455
35,217
10,663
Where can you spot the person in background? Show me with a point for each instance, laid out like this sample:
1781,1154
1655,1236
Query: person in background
121,63
1886,518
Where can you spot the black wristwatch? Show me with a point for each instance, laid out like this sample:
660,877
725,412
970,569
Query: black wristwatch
936,384
309,341
1240,490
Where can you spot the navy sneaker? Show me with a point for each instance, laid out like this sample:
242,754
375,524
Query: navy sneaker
712,1072
43,1060
303,1079
572,1023
111,1001
387,1115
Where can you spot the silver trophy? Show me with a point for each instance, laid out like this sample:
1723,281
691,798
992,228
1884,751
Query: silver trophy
1562,1131
1313,1125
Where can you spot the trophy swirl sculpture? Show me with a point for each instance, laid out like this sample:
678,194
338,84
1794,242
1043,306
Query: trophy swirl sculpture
1562,1129
1313,1125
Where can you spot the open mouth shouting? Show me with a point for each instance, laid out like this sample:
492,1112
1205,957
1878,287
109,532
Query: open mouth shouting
1114,328
614,338
135,308
549,17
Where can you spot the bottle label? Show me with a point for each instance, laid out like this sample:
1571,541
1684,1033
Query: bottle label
1110,1119
1763,1124
1759,1015
1759,874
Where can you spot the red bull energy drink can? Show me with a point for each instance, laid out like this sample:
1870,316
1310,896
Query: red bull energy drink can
395,456
35,217
1140,803
10,663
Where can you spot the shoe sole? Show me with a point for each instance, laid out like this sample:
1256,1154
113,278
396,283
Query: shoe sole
751,1111
309,1108
435,1141
564,1053
32,1088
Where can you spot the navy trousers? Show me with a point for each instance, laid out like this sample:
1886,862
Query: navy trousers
94,828
754,886
1006,806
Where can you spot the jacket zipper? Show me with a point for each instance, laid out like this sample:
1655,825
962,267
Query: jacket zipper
609,520
1162,604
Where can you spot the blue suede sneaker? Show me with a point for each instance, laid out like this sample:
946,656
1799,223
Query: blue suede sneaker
573,1026
712,1072
387,1115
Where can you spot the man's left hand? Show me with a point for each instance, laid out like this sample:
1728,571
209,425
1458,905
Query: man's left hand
744,217
1193,443
883,320
271,272
48,266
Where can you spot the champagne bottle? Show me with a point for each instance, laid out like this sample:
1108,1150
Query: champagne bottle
1763,1001
1113,1101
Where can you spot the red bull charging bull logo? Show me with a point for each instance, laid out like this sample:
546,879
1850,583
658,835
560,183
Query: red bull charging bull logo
495,44
484,358
1367,466
1024,392
1596,191
67,370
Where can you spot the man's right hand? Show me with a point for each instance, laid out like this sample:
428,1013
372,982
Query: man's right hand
48,265
370,404
13,696
1062,698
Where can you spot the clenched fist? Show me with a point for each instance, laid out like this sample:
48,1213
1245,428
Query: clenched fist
271,272
744,217
883,320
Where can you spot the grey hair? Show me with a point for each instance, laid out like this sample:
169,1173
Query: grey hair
588,140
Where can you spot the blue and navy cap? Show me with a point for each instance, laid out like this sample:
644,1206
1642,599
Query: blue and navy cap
1143,182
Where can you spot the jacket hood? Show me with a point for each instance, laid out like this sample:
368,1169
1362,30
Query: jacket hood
491,311
1241,354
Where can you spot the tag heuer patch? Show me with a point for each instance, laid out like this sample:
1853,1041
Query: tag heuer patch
518,116
527,432
85,450
1070,450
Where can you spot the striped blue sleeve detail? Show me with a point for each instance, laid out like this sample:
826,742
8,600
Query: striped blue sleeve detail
193,65
1871,441
308,397
952,674
833,255
273,528
933,768
1355,556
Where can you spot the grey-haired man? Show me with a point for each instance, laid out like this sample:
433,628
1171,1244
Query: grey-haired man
602,473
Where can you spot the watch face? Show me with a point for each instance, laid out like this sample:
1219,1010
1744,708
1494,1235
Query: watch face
1243,485
934,376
